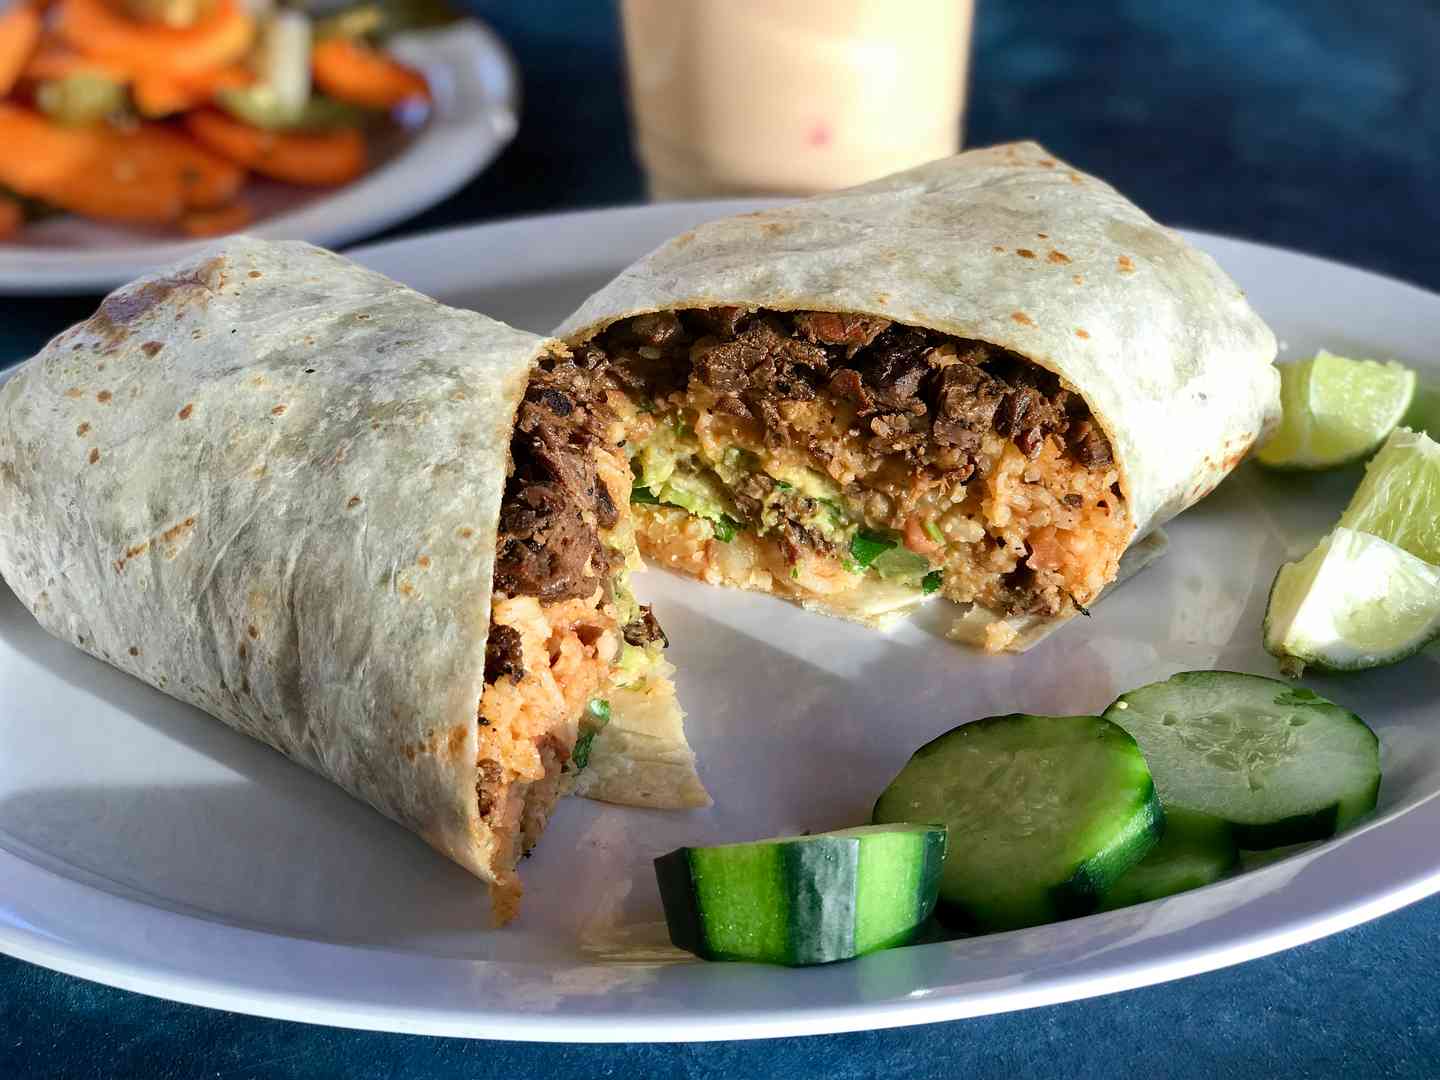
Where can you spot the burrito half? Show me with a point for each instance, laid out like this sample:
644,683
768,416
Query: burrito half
986,378
386,537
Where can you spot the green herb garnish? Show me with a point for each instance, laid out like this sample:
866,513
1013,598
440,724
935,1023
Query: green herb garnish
931,582
725,528
867,546
784,485
933,531
599,710
580,756
641,494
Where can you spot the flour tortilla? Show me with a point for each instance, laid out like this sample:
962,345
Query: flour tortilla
1011,246
268,482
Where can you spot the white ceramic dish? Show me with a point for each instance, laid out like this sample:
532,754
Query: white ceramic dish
145,845
476,114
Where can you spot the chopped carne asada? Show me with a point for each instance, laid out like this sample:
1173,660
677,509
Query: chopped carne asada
562,617
764,443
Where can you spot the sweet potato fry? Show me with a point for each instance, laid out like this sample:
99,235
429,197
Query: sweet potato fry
19,36
159,94
353,72
97,29
95,172
12,217
217,222
312,159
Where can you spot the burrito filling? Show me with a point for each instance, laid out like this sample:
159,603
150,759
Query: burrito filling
566,634
858,464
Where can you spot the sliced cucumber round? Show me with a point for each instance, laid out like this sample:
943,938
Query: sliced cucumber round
1045,813
1195,850
803,899
1277,761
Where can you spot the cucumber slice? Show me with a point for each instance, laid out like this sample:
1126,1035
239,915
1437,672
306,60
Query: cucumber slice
803,899
1195,850
1045,813
1277,761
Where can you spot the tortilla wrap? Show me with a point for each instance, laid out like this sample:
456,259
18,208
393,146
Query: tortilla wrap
1010,246
267,482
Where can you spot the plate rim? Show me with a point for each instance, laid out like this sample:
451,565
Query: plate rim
446,153
274,976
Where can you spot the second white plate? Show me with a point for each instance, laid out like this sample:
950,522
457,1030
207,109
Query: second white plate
476,113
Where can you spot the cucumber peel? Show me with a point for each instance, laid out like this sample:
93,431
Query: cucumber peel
803,899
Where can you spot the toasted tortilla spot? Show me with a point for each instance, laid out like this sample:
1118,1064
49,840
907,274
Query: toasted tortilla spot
1057,257
75,392
456,743
1081,333
355,501
278,410
184,413
1126,265
1021,318
94,456
424,562
150,348
82,430
1025,253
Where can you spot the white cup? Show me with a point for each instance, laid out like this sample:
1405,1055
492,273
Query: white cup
733,97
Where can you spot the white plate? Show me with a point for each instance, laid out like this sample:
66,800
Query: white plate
476,113
145,845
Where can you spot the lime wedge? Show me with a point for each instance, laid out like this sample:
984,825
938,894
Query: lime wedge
1399,499
1335,411
1354,602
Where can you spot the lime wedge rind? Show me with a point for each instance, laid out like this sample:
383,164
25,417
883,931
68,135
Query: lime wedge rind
1336,411
1355,602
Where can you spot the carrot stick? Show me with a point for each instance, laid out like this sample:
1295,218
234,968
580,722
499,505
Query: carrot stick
12,217
217,222
53,60
206,180
95,172
94,27
350,71
160,94
19,35
312,159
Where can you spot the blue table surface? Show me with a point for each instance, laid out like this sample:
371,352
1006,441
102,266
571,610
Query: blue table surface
1311,124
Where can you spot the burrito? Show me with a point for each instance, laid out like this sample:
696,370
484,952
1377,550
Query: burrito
389,538
986,379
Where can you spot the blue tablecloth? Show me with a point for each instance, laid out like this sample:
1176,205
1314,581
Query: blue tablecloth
1312,124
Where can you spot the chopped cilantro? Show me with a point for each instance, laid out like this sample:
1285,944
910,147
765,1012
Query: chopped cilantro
599,710
933,531
931,582
783,485
725,528
639,494
580,756
867,546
